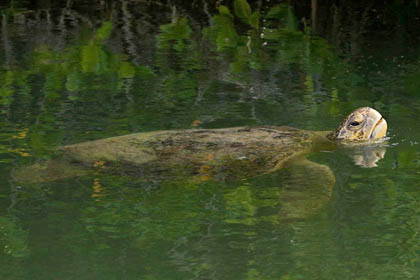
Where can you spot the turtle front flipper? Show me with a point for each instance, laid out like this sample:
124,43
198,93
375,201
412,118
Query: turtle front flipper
306,188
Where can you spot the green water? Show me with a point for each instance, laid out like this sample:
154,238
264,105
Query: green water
73,73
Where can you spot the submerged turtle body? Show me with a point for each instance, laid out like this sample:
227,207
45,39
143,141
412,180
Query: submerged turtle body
221,154
205,152
209,153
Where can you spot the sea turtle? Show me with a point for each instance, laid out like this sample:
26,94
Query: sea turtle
220,154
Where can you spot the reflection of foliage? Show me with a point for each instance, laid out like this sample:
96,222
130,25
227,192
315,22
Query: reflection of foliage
242,205
279,38
166,214
384,242
177,32
13,239
400,210
225,33
88,89
70,79
177,82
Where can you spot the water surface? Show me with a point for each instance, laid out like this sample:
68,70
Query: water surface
72,73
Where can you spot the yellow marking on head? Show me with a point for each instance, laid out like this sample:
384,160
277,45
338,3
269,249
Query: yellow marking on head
361,125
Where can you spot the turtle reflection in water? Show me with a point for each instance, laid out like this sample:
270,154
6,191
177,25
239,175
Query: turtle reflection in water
222,154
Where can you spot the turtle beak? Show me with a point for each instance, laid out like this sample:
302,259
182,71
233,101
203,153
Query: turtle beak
379,130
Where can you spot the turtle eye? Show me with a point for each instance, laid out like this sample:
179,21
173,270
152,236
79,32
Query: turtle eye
354,123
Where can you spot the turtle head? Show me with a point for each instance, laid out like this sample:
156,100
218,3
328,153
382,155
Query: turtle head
361,125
